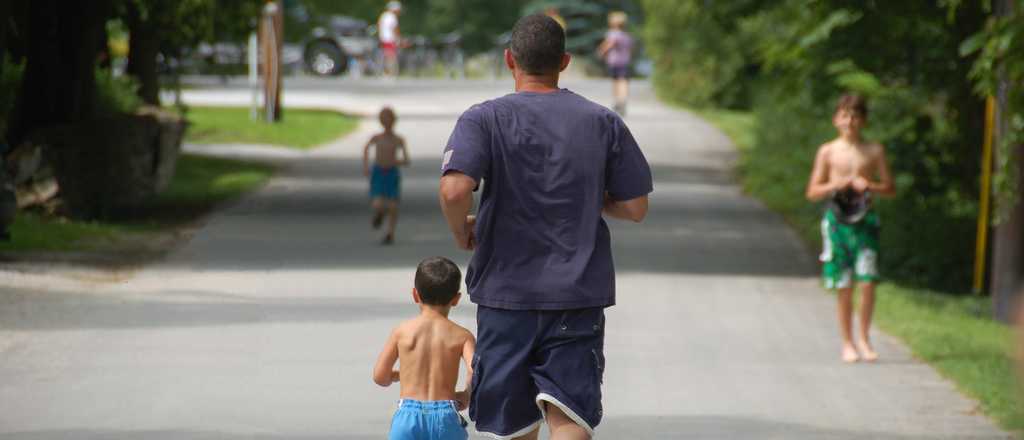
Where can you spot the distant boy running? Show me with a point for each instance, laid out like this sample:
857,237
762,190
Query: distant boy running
385,180
428,349
844,172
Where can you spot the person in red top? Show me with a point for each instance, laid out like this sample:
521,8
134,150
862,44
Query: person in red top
390,36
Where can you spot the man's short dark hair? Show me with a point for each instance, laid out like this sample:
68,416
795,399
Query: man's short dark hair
538,44
437,280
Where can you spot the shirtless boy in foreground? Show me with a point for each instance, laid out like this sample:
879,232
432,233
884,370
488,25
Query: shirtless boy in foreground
847,172
385,179
428,349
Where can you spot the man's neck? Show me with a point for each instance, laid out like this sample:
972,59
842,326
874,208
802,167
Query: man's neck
536,83
431,311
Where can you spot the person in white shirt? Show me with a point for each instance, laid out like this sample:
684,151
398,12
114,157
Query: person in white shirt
390,36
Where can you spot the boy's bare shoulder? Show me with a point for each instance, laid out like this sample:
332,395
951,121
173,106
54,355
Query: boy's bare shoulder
461,331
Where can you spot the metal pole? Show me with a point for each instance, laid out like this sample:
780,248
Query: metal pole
254,77
981,244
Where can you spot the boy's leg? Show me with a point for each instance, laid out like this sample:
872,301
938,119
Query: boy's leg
845,323
867,308
391,208
377,204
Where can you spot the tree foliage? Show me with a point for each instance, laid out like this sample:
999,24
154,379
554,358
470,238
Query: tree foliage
788,61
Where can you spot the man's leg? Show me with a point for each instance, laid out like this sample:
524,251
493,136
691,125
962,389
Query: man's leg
867,309
561,426
531,436
845,324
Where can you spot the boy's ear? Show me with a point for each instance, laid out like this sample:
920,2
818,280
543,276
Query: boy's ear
416,296
455,301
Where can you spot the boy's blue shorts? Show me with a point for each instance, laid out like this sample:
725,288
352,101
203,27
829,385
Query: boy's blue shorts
385,182
525,358
434,420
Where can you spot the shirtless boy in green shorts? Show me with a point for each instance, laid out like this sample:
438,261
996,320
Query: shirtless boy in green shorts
847,172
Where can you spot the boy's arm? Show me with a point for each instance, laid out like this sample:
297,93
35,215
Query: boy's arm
384,373
818,186
405,151
366,156
884,186
468,349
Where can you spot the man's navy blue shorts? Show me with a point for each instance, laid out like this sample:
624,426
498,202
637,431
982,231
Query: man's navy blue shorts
527,357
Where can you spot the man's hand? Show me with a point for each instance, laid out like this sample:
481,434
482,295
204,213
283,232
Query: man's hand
465,239
394,376
462,400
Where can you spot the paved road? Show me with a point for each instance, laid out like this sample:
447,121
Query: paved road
266,324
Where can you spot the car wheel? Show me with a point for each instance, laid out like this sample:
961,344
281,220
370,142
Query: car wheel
325,59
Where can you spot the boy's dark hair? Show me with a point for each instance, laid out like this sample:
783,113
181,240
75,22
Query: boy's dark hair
437,280
854,103
538,44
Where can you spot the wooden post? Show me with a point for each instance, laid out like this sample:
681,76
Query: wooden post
1008,237
271,32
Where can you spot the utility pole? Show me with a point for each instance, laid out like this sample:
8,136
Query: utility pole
271,32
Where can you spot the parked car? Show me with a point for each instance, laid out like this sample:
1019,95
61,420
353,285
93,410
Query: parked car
333,45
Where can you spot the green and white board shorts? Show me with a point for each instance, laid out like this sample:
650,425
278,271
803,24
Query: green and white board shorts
849,251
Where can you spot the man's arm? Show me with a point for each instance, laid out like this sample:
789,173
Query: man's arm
632,209
456,194
818,186
384,373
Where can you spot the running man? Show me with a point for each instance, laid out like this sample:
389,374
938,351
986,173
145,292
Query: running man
848,171
552,164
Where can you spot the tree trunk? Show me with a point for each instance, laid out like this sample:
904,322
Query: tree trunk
1008,238
59,84
143,47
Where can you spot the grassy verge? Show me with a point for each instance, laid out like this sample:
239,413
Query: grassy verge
300,129
199,184
952,333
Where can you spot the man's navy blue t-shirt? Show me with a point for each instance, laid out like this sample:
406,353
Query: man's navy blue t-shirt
546,161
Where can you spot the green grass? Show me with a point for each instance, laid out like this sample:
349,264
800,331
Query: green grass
955,334
300,129
737,125
199,184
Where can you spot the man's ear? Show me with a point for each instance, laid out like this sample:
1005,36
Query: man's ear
455,301
510,61
416,296
565,61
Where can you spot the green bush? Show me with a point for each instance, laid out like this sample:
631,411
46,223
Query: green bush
116,94
10,80
788,61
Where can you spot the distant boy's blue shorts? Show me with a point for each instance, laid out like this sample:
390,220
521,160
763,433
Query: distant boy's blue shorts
433,420
385,182
525,358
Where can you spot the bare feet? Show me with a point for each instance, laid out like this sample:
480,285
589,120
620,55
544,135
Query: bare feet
866,352
850,354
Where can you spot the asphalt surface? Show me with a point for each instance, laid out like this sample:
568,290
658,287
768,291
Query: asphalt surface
267,323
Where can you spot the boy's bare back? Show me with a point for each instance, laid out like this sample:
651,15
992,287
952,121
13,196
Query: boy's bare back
429,349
